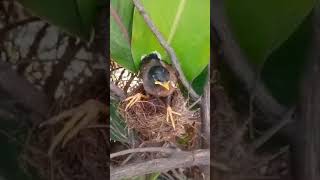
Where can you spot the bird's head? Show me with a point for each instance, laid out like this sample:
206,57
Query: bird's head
160,76
154,56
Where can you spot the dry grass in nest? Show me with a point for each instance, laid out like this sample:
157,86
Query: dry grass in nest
148,118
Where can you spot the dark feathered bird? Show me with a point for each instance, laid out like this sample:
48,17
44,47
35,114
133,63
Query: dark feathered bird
159,80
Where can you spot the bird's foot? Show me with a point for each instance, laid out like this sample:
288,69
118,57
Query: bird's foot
170,116
133,99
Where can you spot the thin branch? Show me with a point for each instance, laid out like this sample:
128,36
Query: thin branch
178,159
167,47
287,118
205,116
148,149
205,124
58,70
126,87
238,62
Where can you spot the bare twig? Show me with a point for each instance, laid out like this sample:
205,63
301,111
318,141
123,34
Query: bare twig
167,47
126,87
205,116
178,159
34,48
238,62
205,125
220,166
147,149
270,158
58,70
287,118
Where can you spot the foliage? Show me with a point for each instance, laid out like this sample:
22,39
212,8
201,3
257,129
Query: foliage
76,17
262,26
273,34
283,70
183,21
185,25
121,13
118,130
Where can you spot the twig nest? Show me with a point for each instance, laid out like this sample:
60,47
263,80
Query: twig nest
148,118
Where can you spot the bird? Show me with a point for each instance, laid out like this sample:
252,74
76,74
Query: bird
159,80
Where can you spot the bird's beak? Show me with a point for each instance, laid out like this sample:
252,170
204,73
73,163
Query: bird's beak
163,84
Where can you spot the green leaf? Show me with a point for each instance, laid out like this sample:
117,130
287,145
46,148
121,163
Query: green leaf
284,68
118,129
262,26
184,24
121,12
152,176
124,9
200,81
76,17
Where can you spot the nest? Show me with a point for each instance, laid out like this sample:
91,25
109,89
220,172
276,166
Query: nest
148,118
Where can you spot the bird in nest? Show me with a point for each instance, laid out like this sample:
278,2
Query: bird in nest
159,80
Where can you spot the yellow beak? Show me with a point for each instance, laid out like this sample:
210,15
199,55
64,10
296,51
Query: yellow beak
163,84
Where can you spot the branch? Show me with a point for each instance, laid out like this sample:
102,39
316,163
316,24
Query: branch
148,149
306,148
58,70
167,47
178,159
238,62
287,118
205,124
205,116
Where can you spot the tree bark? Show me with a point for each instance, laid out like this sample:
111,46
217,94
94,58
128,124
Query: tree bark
306,149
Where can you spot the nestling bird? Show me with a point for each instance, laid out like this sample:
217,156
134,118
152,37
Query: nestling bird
159,80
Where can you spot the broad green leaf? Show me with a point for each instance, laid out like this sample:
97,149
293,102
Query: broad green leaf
121,12
87,11
284,69
262,26
76,17
118,129
200,81
124,9
186,27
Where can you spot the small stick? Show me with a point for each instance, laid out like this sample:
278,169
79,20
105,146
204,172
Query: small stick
148,149
178,159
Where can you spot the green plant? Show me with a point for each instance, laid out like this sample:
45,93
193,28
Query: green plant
274,36
76,17
185,25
